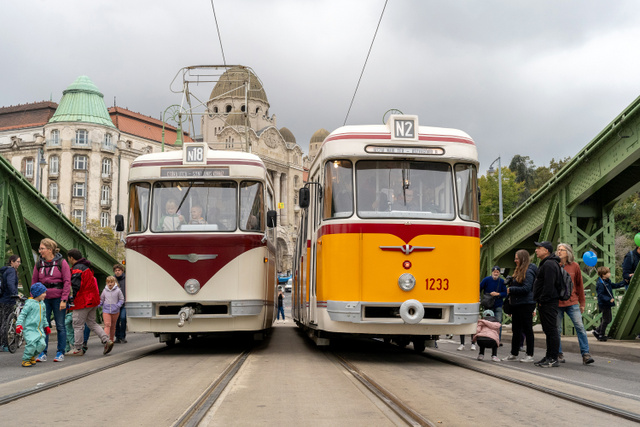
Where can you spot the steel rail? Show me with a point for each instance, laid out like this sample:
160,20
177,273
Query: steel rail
407,414
566,396
47,386
199,409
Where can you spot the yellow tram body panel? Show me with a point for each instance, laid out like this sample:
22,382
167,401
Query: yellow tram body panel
353,267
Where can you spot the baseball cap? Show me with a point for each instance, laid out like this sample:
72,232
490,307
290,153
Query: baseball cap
547,245
495,267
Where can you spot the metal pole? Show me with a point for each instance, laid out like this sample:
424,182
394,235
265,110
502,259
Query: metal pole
500,188
86,192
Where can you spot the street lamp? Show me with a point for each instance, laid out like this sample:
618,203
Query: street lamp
499,184
42,162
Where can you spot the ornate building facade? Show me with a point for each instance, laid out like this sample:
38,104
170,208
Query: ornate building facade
78,152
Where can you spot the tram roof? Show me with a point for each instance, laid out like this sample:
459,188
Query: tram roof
239,163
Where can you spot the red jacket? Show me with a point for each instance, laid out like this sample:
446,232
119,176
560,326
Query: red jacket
577,296
85,286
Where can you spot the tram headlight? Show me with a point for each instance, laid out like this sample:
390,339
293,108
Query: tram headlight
192,286
406,282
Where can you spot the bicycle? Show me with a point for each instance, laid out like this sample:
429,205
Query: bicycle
15,340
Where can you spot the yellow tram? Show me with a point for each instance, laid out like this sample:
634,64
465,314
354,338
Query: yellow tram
389,243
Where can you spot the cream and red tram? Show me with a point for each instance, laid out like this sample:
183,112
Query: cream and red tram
389,244
200,248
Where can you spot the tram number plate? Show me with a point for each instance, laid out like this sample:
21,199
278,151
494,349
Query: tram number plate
437,284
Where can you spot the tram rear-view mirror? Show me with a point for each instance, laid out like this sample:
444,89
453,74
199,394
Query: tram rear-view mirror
304,198
272,219
119,223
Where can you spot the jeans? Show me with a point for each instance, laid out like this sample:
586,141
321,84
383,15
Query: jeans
280,312
576,317
53,305
121,324
548,313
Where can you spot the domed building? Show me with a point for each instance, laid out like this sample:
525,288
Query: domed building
238,118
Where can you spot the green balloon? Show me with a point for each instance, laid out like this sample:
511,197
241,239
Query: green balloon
637,239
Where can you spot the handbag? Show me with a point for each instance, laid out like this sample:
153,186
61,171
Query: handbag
507,308
487,301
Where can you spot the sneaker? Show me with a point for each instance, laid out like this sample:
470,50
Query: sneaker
495,358
124,340
461,347
107,347
473,347
541,361
603,338
550,363
42,357
510,358
33,360
480,357
587,359
527,359
596,334
75,352
118,341
5,348
59,357
521,349
27,363
561,358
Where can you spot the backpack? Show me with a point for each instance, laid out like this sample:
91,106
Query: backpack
566,285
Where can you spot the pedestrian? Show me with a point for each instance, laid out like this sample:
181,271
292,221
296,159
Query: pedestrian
545,293
629,265
87,299
53,272
111,300
487,335
493,286
8,292
575,305
121,323
606,300
33,324
461,347
281,305
522,304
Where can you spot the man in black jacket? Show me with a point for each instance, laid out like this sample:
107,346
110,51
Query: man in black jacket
545,293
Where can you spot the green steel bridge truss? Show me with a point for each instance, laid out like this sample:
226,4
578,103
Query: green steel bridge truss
576,207
26,217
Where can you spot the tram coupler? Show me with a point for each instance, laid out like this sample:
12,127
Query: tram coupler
185,315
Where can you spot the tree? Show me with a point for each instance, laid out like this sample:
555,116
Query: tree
627,216
489,204
104,237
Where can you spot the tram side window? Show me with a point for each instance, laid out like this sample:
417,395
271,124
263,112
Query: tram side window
138,206
251,206
338,189
466,181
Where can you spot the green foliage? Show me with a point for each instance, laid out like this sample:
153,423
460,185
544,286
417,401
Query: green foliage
489,189
627,216
104,237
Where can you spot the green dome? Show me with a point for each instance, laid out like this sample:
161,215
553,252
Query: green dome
82,102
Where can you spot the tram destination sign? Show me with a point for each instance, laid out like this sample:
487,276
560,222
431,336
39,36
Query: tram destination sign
378,149
193,172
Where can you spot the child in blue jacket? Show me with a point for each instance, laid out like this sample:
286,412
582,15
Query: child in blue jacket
604,288
33,323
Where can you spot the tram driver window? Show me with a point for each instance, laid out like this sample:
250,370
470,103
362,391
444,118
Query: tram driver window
338,186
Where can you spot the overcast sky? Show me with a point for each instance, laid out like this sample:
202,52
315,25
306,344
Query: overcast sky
537,78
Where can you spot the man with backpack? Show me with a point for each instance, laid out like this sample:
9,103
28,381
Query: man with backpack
574,306
545,293
629,265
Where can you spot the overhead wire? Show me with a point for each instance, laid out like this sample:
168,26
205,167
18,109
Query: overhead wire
365,62
224,61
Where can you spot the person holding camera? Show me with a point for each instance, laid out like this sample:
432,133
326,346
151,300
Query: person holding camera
520,290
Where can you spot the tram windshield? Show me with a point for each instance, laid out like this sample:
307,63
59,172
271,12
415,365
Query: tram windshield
404,189
196,206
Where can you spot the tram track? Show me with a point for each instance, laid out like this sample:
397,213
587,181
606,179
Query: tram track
199,409
56,383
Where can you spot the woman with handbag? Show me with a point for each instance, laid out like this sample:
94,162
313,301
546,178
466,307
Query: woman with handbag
522,305
492,291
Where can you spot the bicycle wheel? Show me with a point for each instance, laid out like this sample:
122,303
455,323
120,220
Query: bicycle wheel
12,337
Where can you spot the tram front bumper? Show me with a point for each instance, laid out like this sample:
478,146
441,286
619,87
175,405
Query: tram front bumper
217,309
390,313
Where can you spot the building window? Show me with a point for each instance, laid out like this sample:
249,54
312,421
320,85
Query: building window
105,195
106,168
78,215
215,110
54,165
54,139
104,219
228,109
107,144
28,167
242,108
78,189
80,163
82,137
53,192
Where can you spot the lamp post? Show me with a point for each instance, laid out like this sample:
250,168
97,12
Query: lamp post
176,115
499,184
42,162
